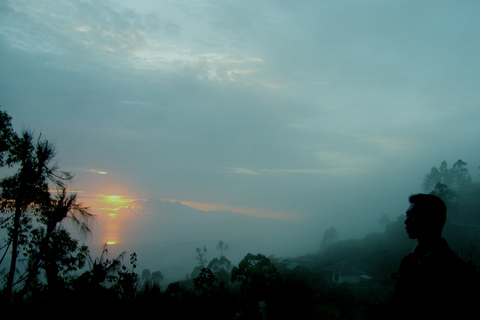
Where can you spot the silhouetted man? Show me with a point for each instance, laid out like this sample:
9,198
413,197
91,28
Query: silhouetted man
432,279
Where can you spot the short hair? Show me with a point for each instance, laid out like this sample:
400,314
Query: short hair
431,207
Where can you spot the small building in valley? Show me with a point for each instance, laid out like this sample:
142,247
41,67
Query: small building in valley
343,272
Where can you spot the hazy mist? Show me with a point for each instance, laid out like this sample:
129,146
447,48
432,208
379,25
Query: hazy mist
260,123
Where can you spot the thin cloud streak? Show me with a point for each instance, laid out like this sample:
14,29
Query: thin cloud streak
97,171
332,171
207,207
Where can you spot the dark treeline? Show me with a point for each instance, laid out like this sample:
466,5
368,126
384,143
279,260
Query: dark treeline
45,270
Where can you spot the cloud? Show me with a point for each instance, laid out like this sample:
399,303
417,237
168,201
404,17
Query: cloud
333,171
391,146
115,37
262,213
97,171
242,171
251,104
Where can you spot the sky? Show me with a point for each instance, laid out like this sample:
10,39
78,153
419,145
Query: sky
321,113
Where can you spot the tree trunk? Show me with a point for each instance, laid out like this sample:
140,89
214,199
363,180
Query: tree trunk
33,268
13,263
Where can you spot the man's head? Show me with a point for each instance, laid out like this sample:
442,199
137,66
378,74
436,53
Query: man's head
425,217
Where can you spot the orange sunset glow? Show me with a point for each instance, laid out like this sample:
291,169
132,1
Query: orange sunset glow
114,211
111,211
204,206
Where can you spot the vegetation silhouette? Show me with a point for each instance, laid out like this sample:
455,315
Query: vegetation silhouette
50,270
31,215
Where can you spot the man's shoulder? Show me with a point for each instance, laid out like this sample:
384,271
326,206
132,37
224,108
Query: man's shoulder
444,250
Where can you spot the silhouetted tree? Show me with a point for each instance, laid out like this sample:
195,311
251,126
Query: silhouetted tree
52,213
152,279
146,275
201,256
259,278
222,246
127,280
60,258
220,268
8,138
23,193
454,178
445,193
202,261
455,187
110,285
206,283
330,236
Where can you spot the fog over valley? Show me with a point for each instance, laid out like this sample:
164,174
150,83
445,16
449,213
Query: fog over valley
258,124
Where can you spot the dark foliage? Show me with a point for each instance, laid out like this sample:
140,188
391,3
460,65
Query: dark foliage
260,287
